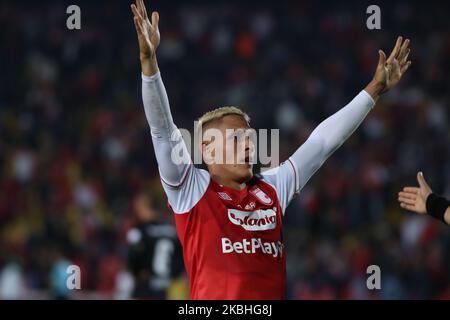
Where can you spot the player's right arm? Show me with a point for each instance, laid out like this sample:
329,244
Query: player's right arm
417,199
184,184
156,103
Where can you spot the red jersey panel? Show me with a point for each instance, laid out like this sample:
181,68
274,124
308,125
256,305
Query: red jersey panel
233,244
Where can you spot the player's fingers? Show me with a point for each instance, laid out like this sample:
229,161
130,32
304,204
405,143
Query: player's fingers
381,58
406,200
133,8
405,67
404,57
143,9
396,49
136,11
137,25
407,206
403,50
421,180
407,195
138,5
399,47
155,19
414,190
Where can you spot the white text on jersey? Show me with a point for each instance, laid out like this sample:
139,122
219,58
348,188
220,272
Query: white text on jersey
251,246
257,220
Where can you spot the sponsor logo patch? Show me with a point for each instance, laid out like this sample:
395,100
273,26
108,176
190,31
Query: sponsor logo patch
252,246
257,220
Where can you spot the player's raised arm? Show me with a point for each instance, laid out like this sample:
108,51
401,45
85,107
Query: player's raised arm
164,133
148,37
335,130
422,200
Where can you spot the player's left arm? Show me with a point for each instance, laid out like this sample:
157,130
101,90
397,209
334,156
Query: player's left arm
335,130
329,135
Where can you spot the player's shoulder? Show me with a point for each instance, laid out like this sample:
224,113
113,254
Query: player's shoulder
202,174
285,169
269,176
184,198
261,181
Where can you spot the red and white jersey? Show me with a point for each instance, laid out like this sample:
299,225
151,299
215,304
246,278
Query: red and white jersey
232,240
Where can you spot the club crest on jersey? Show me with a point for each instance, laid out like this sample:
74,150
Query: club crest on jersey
258,220
224,196
261,196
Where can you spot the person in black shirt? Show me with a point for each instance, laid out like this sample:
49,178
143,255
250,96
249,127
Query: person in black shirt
155,254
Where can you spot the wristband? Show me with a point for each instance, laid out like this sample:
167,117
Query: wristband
436,206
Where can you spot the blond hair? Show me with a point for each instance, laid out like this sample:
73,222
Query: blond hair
218,114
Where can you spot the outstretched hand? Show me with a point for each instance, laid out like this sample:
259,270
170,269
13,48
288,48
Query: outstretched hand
148,36
415,198
389,71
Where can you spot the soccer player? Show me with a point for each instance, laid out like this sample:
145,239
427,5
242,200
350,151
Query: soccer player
154,252
422,200
229,220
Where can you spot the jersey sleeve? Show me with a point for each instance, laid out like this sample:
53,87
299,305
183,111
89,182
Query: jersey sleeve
183,184
291,176
184,197
285,180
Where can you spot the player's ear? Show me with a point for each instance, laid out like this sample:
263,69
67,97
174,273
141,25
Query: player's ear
208,152
202,147
203,150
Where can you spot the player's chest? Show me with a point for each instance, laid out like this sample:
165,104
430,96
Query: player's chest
254,211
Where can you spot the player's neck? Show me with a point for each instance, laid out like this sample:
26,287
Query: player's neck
228,182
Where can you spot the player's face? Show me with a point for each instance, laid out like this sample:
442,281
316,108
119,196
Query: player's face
232,157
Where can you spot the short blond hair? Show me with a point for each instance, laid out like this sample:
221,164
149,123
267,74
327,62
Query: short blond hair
218,114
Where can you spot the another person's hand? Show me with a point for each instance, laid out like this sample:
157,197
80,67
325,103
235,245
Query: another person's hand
415,198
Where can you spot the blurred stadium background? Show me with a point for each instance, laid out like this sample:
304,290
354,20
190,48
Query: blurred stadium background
75,149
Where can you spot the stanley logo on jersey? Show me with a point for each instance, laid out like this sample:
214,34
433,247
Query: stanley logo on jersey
258,220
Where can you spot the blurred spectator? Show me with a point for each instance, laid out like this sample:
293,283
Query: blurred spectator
58,275
11,281
155,255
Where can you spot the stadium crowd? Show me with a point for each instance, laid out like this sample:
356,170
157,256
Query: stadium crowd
75,146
